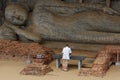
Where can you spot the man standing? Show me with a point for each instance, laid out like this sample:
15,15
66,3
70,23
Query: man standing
66,52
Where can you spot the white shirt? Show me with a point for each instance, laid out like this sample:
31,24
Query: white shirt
66,52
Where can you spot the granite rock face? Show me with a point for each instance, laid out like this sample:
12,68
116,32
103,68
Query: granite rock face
16,14
63,21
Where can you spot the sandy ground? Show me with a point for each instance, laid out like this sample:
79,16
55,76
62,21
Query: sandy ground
10,70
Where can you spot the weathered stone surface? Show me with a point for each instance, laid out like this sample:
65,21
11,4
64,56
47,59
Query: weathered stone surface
16,14
7,33
29,3
84,23
88,27
116,5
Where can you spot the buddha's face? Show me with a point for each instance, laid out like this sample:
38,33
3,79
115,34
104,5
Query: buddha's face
16,14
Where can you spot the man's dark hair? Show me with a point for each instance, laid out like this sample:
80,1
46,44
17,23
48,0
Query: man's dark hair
67,45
